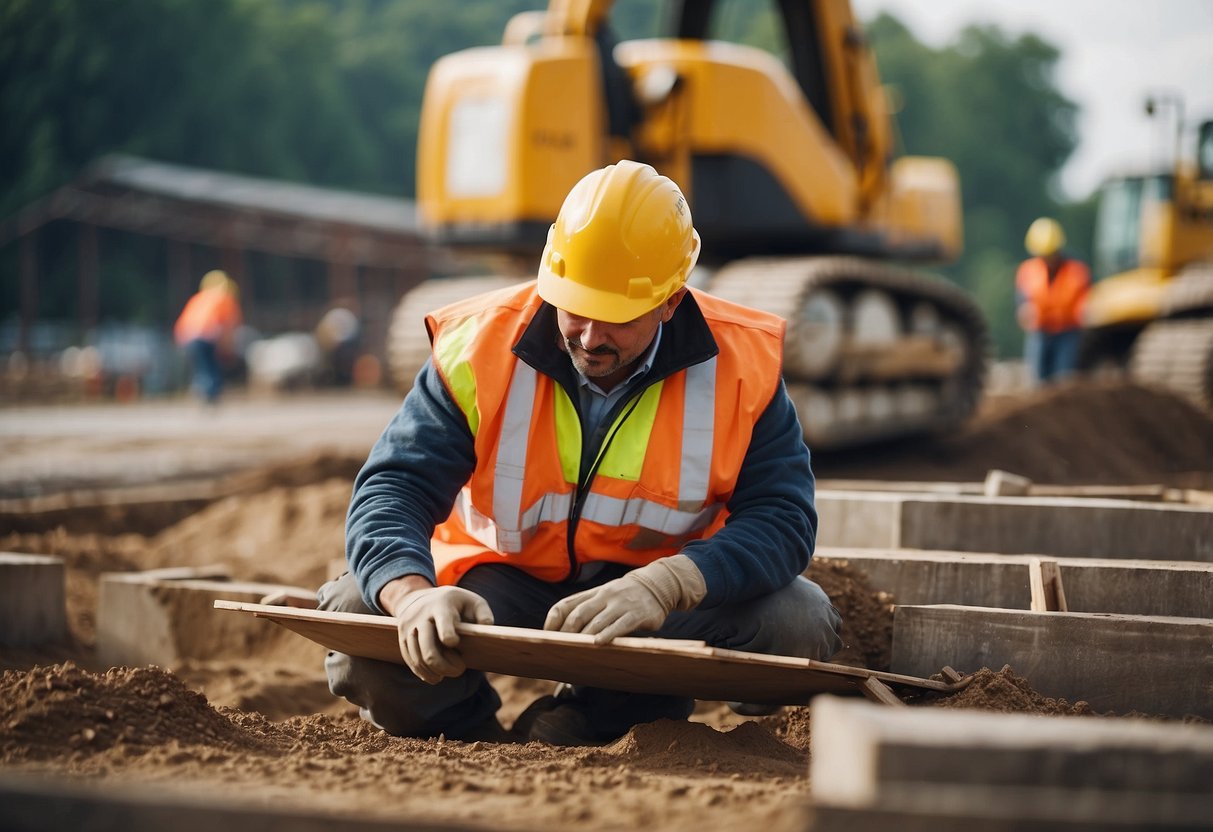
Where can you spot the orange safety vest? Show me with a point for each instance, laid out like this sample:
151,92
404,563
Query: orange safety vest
670,466
1056,306
209,315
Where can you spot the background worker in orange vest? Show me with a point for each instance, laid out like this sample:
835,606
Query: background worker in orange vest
206,328
599,451
1050,291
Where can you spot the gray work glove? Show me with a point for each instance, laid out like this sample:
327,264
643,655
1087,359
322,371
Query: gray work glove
426,620
640,600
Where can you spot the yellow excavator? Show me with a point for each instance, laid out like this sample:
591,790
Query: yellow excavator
786,159
1151,311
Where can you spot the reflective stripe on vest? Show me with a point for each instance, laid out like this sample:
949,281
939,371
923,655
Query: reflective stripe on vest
513,526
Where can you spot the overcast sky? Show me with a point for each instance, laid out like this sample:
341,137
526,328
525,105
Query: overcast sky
1114,53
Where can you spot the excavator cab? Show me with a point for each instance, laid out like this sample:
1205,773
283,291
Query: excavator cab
1151,309
786,158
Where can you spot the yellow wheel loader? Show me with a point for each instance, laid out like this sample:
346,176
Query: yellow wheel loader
1151,311
787,161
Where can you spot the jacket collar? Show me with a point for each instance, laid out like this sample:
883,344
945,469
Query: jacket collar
686,340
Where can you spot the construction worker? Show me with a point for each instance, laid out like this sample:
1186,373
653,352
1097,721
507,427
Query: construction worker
600,451
1050,291
206,328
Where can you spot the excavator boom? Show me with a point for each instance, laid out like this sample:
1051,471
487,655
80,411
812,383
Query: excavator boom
785,159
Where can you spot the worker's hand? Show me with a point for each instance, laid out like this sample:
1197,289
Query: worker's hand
640,600
426,620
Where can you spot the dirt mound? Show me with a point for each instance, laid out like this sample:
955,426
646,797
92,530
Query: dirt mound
1005,692
747,751
307,469
1076,433
50,710
281,535
867,614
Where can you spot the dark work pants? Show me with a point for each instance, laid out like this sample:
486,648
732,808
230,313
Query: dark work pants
1051,356
798,620
208,374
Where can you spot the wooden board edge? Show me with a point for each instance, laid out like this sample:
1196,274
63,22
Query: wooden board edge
654,646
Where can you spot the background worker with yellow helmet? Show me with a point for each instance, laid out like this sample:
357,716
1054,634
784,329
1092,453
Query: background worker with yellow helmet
1050,292
567,459
205,329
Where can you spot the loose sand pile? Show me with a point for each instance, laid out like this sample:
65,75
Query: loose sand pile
1074,433
264,728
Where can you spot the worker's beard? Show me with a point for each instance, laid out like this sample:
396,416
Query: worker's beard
584,360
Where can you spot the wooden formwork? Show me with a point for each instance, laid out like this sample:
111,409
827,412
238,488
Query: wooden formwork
1053,526
936,769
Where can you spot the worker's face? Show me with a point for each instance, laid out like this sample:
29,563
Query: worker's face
606,352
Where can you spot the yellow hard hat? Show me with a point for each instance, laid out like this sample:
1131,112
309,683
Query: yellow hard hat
622,244
218,279
1044,237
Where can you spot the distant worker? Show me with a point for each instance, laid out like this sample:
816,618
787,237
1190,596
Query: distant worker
339,335
1050,291
206,329
602,451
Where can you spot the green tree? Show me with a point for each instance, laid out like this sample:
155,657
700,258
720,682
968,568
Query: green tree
239,85
990,103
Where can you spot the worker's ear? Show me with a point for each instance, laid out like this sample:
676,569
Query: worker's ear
671,303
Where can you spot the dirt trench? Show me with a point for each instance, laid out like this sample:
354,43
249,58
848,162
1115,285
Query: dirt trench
249,726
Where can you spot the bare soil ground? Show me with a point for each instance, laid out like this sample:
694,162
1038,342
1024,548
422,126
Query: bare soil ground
261,489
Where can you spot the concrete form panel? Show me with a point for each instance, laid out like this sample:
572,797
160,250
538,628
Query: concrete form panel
859,519
1061,527
33,608
911,764
1118,663
150,618
1128,587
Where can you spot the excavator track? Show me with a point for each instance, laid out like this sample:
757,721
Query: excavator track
408,343
1176,354
1176,351
873,351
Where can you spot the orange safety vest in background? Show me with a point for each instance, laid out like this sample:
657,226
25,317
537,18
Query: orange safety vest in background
664,478
1056,306
208,316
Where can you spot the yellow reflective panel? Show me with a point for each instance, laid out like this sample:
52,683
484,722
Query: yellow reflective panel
625,455
568,435
450,352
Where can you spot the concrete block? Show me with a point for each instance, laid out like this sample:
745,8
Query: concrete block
33,608
146,618
1040,772
1128,587
1118,663
1060,527
1005,484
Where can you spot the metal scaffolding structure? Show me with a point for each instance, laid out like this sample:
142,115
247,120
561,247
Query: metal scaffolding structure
371,244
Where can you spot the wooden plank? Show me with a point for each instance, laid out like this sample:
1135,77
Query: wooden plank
949,673
1044,579
1056,527
1127,587
1036,587
1119,663
1057,773
1005,484
877,691
1055,593
640,665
